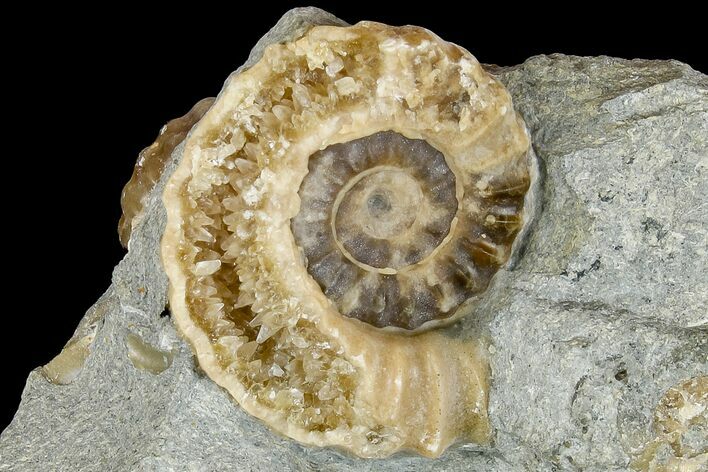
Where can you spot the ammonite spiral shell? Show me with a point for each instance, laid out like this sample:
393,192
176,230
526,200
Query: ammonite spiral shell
339,206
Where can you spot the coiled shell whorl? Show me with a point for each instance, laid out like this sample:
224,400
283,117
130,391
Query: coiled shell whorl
341,204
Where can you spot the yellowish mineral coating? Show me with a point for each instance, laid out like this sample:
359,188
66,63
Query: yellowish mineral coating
240,291
680,424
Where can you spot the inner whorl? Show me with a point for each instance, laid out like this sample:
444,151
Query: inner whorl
377,227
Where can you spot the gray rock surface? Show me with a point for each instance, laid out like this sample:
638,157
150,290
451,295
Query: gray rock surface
606,310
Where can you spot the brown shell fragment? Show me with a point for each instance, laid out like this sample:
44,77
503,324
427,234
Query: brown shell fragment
150,164
354,186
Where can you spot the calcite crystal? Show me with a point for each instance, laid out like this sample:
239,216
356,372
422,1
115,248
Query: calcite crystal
681,426
355,186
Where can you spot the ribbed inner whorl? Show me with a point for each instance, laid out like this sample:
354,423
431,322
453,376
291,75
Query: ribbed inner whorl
376,218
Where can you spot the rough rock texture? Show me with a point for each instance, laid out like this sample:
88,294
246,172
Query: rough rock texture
604,313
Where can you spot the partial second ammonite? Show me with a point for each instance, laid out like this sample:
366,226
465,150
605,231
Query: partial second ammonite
343,201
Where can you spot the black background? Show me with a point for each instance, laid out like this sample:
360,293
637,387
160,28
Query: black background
89,89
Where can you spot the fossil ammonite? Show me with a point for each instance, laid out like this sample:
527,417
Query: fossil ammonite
343,201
